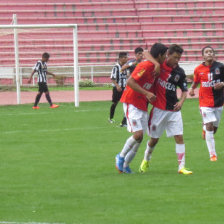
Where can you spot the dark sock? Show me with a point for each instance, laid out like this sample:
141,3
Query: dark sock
112,110
37,99
124,121
49,99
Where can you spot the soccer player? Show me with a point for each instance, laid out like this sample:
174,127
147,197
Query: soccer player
41,69
135,101
118,79
165,114
210,75
132,63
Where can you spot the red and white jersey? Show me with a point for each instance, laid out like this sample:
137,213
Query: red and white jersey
166,87
144,77
208,76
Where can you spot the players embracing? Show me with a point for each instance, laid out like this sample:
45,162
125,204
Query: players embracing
166,114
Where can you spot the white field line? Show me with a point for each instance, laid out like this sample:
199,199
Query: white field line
41,113
5,222
52,130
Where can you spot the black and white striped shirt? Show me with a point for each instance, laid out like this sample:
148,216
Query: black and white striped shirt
41,69
118,76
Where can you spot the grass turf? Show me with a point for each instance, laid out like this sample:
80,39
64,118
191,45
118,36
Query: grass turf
58,166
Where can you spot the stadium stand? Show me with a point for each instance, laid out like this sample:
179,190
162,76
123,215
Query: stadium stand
106,27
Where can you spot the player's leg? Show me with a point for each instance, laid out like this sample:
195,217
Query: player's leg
47,94
38,96
115,100
209,119
148,154
174,129
124,122
137,136
156,127
37,99
136,124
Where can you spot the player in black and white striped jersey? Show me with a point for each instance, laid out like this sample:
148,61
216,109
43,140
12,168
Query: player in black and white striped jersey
41,69
118,79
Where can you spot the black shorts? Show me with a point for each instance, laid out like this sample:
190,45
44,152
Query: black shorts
43,87
116,95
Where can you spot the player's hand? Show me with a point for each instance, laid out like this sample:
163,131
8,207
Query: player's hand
218,85
29,81
191,92
119,89
151,97
177,106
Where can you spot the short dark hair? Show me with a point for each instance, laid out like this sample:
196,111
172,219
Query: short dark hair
138,50
45,55
175,48
208,46
158,49
123,54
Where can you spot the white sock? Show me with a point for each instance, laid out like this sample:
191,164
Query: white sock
127,146
204,127
180,151
148,152
210,141
131,154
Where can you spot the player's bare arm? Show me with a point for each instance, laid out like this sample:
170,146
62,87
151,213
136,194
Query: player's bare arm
191,90
135,86
126,66
31,76
180,103
119,89
219,85
49,73
149,57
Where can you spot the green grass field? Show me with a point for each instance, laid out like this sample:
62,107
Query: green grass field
57,166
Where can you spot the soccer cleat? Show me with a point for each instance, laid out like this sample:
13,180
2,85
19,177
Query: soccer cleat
123,125
144,166
54,106
35,107
203,134
213,158
184,171
111,120
119,162
127,170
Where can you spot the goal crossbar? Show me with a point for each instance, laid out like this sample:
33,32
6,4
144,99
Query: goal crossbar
75,52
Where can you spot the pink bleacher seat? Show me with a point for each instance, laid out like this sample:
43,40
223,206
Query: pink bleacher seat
181,11
181,25
179,4
182,18
66,6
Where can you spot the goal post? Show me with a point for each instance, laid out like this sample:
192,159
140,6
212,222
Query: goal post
16,27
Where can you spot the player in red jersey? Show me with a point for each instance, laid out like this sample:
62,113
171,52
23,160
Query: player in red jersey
210,75
135,101
165,114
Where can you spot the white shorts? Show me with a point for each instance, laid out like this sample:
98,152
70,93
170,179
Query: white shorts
161,120
211,114
137,119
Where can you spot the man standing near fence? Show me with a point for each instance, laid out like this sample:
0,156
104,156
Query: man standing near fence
41,69
118,78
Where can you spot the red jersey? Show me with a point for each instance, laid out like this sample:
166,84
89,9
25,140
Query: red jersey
208,76
166,87
144,77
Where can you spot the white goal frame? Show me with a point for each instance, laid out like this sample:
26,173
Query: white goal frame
75,54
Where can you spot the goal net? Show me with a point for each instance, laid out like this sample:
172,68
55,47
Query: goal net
22,46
